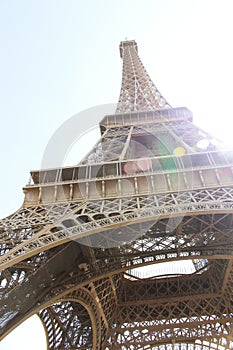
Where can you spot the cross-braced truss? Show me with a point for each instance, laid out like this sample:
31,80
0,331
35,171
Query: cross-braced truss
138,92
132,248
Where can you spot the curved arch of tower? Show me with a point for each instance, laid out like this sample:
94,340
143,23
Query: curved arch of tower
133,247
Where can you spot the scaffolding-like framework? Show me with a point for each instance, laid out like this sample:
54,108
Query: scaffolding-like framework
133,247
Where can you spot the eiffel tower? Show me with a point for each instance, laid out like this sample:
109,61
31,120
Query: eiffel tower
133,247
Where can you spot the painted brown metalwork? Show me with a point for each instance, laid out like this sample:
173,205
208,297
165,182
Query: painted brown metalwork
133,247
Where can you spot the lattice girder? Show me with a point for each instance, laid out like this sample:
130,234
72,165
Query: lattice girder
207,234
62,320
209,333
148,193
183,307
75,332
107,176
138,92
104,217
42,290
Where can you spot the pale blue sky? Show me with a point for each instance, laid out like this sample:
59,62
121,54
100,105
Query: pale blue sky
59,57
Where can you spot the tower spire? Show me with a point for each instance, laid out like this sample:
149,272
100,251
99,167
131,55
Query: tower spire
138,91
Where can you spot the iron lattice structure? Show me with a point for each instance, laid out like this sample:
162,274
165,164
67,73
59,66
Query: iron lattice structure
132,248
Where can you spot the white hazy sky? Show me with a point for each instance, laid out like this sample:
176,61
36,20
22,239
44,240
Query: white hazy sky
59,57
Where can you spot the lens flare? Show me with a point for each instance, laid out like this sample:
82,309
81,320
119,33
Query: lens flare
203,144
179,151
144,164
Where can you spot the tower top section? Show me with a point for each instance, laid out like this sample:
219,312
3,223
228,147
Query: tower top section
138,92
128,43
